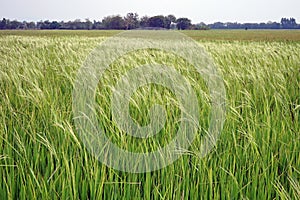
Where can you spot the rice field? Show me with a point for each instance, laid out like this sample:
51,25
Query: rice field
256,157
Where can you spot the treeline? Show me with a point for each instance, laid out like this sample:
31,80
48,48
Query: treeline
130,21
285,23
133,21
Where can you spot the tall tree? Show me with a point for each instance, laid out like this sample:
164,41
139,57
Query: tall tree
131,21
15,25
172,18
3,24
30,25
288,23
157,21
144,21
54,25
113,22
97,25
88,24
183,23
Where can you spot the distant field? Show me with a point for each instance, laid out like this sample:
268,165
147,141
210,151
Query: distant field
249,35
256,157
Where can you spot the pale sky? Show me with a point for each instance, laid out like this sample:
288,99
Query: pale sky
207,11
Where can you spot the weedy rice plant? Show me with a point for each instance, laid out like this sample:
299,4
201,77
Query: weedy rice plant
41,155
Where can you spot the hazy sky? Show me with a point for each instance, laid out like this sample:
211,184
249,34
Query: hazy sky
198,10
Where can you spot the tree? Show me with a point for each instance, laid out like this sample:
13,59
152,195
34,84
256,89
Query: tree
131,21
97,25
3,24
167,22
54,25
30,25
201,26
15,25
161,21
113,22
88,25
144,22
77,24
172,18
288,23
157,21
44,25
183,23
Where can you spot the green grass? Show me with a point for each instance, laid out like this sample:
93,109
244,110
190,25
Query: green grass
257,156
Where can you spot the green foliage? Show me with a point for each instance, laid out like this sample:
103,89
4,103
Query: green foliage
157,21
113,22
131,21
183,23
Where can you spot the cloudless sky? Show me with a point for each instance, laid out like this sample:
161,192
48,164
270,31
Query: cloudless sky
207,11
